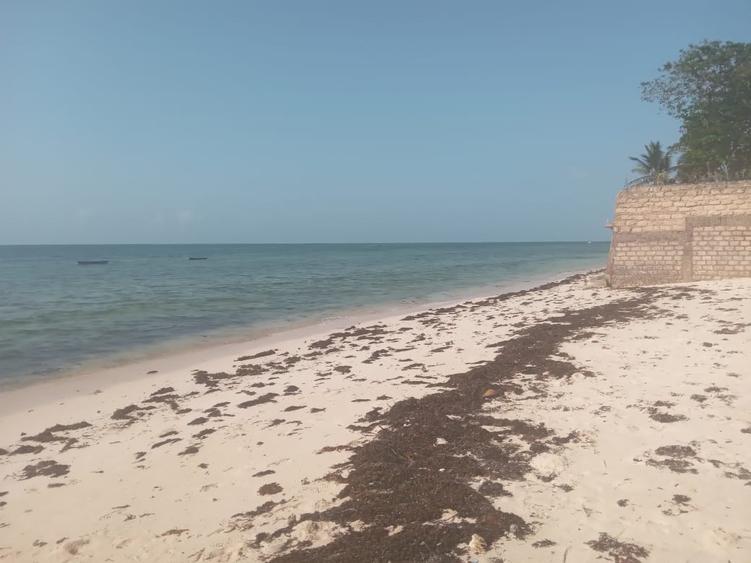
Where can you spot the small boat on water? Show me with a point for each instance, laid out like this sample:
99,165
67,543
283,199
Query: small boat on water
92,262
198,257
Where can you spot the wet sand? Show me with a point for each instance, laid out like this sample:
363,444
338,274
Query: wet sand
563,423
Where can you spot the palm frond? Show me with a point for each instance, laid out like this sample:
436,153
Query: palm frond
655,164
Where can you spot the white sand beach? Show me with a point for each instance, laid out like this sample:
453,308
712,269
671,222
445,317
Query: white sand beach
566,423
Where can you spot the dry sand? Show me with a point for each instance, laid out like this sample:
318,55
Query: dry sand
567,423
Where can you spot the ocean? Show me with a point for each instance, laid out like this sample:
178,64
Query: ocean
57,316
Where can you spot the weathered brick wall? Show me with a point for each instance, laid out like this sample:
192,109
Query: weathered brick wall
681,232
721,251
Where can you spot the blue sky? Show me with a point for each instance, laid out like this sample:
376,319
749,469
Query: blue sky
330,121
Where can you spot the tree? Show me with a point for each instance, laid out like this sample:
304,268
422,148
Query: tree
709,89
654,165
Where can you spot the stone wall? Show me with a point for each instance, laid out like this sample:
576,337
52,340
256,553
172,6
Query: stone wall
681,232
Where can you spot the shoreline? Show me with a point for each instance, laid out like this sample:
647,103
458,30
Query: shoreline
188,352
76,320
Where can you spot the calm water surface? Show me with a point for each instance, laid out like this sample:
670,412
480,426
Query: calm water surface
56,315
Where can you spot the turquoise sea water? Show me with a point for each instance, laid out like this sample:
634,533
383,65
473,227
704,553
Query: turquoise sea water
56,315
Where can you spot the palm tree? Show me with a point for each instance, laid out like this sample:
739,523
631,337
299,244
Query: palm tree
654,166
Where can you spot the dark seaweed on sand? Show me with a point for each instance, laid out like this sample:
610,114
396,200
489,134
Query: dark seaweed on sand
405,477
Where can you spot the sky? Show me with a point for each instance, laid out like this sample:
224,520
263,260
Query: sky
162,121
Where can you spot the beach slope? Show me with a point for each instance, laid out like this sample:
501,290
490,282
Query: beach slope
565,422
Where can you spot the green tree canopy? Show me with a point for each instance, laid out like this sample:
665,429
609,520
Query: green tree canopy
709,89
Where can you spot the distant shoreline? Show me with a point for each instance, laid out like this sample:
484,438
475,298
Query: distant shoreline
148,302
23,391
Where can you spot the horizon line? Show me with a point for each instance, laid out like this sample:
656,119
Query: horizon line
294,243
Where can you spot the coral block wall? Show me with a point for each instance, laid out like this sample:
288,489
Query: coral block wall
681,232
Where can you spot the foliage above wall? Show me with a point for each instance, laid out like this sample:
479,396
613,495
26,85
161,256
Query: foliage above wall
709,89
